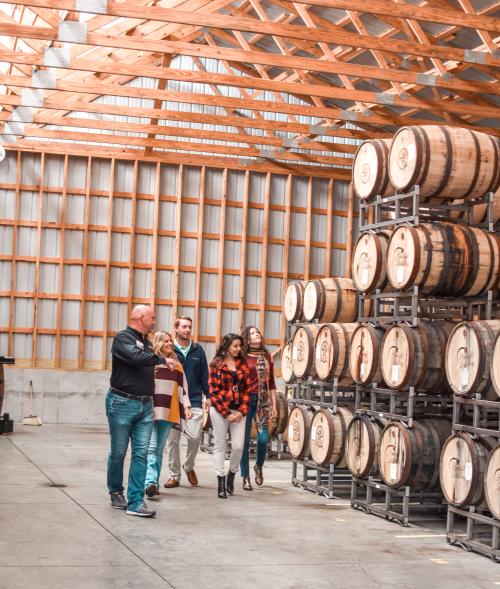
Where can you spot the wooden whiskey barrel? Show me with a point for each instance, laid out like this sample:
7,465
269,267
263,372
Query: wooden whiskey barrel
328,436
410,456
331,300
331,358
364,356
207,422
303,345
282,419
468,357
495,366
479,211
369,261
286,363
299,426
447,162
443,259
415,356
461,468
278,425
492,482
370,170
293,301
363,442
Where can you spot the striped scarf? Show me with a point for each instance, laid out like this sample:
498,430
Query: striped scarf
263,400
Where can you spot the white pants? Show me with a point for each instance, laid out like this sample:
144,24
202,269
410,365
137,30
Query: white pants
193,429
220,426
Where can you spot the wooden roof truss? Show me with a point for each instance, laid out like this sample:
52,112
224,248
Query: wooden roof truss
266,80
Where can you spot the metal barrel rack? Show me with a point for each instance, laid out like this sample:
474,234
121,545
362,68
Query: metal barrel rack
401,405
407,209
409,307
306,474
479,418
277,448
374,497
323,480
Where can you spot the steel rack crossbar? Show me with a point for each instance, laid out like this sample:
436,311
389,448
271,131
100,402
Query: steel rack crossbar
291,326
407,209
322,394
400,405
484,419
277,447
394,505
323,480
207,441
410,306
482,533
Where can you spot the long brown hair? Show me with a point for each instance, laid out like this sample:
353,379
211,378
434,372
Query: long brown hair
223,349
159,340
245,337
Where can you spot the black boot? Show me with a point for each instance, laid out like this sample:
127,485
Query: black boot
230,482
221,491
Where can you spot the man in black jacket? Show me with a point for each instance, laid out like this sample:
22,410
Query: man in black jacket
129,408
194,362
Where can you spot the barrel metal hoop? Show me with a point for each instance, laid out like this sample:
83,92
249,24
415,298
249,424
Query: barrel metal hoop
478,164
382,153
492,259
428,247
321,294
339,300
473,246
495,183
449,162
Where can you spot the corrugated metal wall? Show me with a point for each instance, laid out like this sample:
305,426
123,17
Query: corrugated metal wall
77,249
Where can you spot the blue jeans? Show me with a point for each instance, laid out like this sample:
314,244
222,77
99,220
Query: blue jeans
159,437
262,441
128,420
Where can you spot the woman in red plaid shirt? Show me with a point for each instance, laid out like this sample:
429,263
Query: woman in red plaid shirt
229,389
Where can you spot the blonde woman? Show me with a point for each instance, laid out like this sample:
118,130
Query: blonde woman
170,404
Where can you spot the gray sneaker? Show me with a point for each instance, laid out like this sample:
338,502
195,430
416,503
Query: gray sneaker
142,511
118,501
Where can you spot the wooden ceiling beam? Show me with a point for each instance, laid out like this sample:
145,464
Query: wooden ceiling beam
169,130
223,79
339,37
179,115
181,158
319,90
58,102
413,11
166,144
254,57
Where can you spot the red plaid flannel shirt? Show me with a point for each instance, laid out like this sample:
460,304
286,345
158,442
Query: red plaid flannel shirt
220,386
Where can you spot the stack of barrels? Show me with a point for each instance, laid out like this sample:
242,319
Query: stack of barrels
324,313
443,259
470,462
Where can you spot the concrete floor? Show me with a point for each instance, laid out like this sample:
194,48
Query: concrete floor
277,536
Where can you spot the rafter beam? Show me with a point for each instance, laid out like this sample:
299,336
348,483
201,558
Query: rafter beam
178,158
178,115
245,152
172,74
412,11
58,102
169,130
339,37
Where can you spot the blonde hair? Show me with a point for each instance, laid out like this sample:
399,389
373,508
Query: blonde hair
159,339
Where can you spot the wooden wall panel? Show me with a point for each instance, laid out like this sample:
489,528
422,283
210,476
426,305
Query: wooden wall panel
82,239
